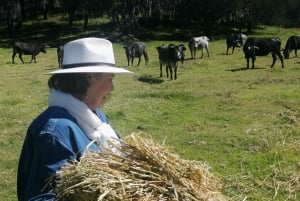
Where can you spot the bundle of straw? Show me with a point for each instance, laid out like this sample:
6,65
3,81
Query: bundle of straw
144,171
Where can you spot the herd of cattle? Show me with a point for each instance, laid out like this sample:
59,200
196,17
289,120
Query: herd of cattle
170,55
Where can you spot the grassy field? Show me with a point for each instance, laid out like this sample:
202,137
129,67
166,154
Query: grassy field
244,123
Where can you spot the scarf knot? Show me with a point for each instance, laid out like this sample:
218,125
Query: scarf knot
87,120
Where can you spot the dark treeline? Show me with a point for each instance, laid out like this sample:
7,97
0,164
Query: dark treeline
130,14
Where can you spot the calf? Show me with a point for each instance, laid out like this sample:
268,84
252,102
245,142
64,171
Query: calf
136,49
169,55
235,40
261,47
32,49
60,55
292,43
198,43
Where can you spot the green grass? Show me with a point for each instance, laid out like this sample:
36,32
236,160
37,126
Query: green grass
244,123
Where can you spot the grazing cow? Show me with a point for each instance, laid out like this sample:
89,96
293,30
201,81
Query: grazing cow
136,49
60,55
169,55
32,49
198,43
292,43
235,40
261,47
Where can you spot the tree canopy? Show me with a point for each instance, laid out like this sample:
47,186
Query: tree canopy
241,14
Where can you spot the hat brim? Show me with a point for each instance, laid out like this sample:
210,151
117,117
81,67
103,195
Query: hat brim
92,69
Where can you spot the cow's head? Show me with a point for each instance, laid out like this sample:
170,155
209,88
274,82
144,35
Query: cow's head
181,49
43,48
205,38
251,49
178,52
238,42
286,53
128,50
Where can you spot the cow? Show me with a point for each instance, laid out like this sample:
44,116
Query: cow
198,43
235,40
136,49
32,49
292,43
261,47
169,55
60,55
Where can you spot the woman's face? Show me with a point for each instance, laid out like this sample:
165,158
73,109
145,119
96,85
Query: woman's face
101,86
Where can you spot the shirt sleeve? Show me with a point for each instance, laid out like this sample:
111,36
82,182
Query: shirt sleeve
49,154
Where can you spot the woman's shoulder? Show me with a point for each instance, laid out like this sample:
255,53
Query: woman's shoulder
54,120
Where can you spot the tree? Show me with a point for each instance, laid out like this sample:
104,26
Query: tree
12,15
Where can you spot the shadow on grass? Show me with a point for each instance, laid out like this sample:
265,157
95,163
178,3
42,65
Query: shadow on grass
242,69
149,79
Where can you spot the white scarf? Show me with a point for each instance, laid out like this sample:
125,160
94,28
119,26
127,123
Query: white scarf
88,121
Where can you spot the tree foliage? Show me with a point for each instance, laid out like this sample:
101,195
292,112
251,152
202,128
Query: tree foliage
126,13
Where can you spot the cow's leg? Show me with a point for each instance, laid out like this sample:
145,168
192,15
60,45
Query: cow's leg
128,59
296,52
281,59
167,70
227,49
139,61
232,49
193,52
33,59
13,57
207,51
247,59
175,72
274,59
131,61
20,56
160,70
253,61
202,52
171,72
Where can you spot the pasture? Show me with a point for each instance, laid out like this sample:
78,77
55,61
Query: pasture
245,123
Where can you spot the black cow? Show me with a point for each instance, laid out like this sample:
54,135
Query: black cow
261,47
235,40
32,49
292,43
169,55
136,49
60,55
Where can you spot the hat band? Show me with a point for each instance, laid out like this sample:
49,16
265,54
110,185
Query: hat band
66,66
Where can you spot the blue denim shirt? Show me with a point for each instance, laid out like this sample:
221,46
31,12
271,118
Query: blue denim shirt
52,139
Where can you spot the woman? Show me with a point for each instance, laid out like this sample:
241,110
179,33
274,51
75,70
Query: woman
73,121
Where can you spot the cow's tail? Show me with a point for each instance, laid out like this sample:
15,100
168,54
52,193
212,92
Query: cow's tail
146,56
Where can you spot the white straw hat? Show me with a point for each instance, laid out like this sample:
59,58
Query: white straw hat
89,55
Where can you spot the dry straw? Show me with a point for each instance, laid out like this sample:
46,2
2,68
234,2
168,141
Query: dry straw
145,171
